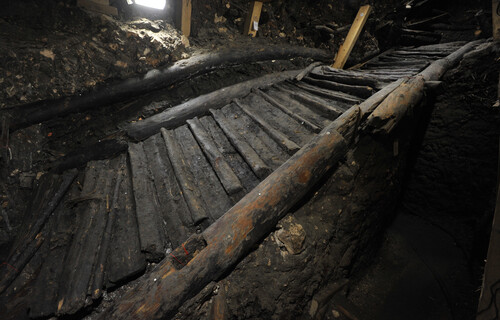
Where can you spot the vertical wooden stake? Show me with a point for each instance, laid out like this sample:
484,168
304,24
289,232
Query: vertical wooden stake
496,19
186,17
252,21
352,36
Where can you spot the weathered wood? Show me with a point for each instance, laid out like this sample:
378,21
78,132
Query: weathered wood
372,102
125,259
319,105
206,180
307,70
289,146
357,90
183,16
268,150
326,93
281,121
197,107
302,120
187,181
146,205
173,210
40,111
226,175
345,76
252,21
258,166
298,107
245,174
48,198
82,256
43,299
234,234
427,22
97,283
436,70
349,42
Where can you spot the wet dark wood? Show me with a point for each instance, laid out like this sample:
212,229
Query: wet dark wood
226,175
344,76
281,139
49,195
125,259
299,108
175,217
92,214
232,236
206,180
268,150
319,105
187,181
291,128
238,165
357,90
197,107
146,204
258,166
41,111
301,119
327,93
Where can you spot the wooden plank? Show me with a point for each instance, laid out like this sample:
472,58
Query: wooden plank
98,7
185,177
125,259
226,175
81,260
357,90
279,120
268,150
252,20
489,299
216,200
44,295
319,105
258,166
146,204
173,210
327,93
346,48
186,9
245,174
289,146
496,19
302,120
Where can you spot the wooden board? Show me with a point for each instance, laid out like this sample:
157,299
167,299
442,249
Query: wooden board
183,16
352,36
253,18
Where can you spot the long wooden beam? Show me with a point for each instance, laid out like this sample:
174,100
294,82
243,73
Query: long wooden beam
40,111
353,35
252,22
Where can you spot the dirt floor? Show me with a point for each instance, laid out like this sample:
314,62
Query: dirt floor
61,50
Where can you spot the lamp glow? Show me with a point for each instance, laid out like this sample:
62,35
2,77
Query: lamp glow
156,4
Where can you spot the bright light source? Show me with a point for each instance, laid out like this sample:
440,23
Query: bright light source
157,4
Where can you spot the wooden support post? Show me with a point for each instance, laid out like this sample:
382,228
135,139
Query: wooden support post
183,16
186,17
252,22
496,19
352,36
